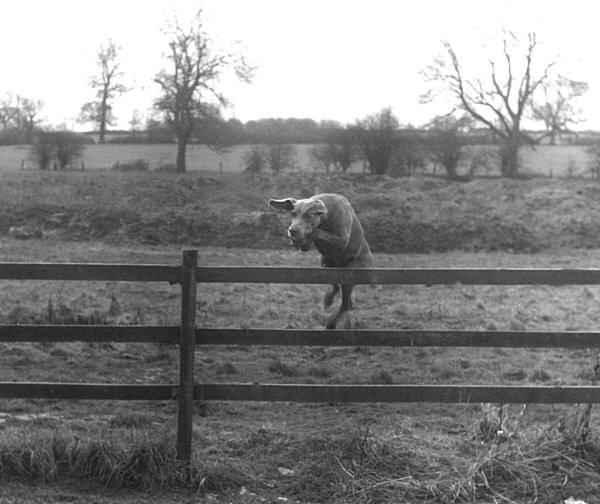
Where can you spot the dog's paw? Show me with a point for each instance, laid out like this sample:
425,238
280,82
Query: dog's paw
332,322
348,321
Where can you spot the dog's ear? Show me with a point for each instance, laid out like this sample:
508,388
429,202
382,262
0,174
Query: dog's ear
286,205
318,207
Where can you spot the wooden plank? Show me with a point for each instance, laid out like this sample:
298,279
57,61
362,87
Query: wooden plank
243,274
412,276
186,355
121,392
421,338
396,393
308,393
90,271
116,334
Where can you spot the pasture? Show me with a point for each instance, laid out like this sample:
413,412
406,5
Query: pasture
262,452
544,160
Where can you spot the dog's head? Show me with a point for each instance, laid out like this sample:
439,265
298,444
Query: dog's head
307,215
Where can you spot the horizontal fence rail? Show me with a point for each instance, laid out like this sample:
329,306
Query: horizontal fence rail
74,271
97,391
301,337
396,393
288,275
405,338
412,276
90,333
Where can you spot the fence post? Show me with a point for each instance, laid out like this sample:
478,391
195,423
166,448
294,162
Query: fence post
186,355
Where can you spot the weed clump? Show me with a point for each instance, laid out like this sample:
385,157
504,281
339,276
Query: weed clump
278,367
144,465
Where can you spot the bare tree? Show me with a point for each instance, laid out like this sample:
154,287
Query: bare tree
555,107
20,114
8,111
190,84
107,86
500,100
29,116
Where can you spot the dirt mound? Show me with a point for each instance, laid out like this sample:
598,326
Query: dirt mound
388,233
416,214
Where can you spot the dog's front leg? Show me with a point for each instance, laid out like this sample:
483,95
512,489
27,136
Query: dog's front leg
333,240
327,262
330,295
344,307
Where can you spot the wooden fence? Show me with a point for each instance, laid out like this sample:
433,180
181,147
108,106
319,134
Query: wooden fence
188,337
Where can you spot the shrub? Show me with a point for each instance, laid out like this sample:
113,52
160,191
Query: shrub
339,151
69,147
280,156
382,378
540,375
254,160
42,150
226,368
320,372
60,147
593,151
281,368
516,375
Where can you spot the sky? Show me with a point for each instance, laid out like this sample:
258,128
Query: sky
322,59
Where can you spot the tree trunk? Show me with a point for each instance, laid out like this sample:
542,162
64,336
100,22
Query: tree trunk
181,148
103,115
451,170
509,158
102,132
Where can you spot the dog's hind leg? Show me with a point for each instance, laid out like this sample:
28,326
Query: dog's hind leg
344,307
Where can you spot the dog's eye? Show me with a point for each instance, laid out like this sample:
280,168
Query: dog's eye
294,214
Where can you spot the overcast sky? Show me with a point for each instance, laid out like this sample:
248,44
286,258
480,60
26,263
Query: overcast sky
324,59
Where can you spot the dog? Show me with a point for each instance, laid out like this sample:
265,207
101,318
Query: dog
329,222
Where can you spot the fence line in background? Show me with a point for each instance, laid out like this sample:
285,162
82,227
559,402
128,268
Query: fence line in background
187,336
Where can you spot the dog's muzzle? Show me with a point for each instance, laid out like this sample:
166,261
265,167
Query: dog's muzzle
301,245
299,240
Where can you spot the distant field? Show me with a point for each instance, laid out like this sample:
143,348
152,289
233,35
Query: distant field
555,161
199,157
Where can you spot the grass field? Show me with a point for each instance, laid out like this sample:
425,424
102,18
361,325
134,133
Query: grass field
241,448
101,451
545,160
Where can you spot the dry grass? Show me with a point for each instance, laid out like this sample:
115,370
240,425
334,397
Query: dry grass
48,456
